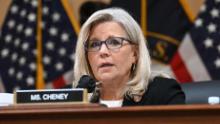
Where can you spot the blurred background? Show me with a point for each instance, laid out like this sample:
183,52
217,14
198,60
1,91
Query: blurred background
38,39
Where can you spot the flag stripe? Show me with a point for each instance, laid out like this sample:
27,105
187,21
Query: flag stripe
68,77
59,82
179,69
192,60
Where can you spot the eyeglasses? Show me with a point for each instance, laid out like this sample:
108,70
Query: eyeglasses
111,43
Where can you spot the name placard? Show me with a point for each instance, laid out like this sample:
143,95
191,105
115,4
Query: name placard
77,95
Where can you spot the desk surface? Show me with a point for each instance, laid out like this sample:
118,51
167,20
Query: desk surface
94,113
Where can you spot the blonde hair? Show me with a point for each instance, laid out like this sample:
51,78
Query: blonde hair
139,81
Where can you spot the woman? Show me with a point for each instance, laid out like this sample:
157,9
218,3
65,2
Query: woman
111,48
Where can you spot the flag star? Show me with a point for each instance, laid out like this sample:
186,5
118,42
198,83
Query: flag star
45,10
46,60
214,13
22,61
72,57
59,66
34,3
42,24
17,42
25,46
211,28
11,71
198,22
50,45
64,37
45,74
11,23
34,51
217,63
62,51
32,66
14,57
23,13
4,52
28,32
20,27
203,8
56,17
218,48
19,75
31,17
30,80
14,9
8,38
208,43
53,31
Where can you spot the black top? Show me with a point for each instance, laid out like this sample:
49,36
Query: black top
161,91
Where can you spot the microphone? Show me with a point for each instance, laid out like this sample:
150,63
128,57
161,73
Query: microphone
87,82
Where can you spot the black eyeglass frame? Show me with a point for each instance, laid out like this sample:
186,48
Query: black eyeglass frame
105,42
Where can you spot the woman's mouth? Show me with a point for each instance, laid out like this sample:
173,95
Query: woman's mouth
105,65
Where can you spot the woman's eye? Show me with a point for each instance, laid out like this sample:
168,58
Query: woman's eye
114,42
94,44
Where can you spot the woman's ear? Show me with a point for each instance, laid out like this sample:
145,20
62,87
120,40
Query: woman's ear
135,53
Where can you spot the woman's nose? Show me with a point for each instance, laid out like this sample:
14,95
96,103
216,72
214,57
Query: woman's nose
104,48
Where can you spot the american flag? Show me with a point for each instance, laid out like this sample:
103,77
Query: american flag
18,46
198,57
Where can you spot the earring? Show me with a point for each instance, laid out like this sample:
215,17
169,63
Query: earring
133,67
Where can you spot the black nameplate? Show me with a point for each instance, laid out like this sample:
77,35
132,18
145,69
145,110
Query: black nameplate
78,95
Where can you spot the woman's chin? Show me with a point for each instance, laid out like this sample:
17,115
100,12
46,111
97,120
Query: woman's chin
106,77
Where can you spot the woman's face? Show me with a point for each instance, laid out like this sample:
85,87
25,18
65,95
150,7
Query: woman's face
108,65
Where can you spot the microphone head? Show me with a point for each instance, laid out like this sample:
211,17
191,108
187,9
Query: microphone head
87,82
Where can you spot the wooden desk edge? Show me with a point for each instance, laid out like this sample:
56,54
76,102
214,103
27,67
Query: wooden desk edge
50,108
